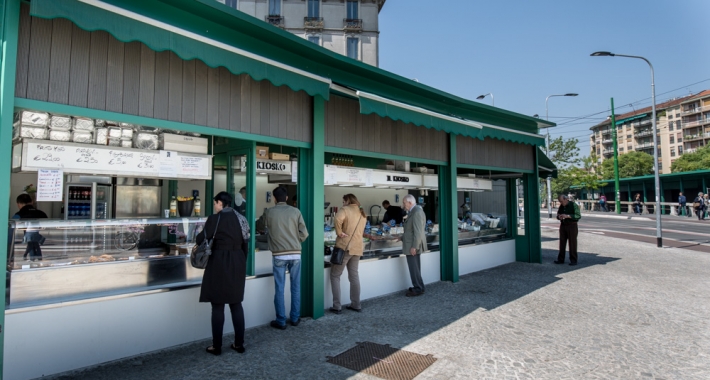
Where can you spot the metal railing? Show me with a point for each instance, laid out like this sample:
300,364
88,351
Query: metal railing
639,123
352,24
644,146
313,23
643,133
607,141
275,20
667,208
695,123
694,110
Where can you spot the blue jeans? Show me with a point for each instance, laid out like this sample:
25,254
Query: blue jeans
294,269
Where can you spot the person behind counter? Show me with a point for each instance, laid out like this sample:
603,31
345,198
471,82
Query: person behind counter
286,231
349,226
392,212
225,275
414,243
32,238
240,201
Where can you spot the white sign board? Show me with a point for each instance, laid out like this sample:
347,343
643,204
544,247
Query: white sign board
294,172
50,185
368,178
331,175
95,159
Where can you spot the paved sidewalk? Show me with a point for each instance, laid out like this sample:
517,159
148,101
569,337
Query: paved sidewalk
628,311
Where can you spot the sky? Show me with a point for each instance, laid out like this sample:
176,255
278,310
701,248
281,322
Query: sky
524,50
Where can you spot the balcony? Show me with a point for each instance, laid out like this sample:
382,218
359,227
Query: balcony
608,151
640,123
607,141
695,123
352,24
697,136
313,23
691,150
694,109
606,132
643,133
275,20
644,146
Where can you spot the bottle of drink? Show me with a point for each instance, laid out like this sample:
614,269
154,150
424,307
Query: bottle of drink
198,204
173,206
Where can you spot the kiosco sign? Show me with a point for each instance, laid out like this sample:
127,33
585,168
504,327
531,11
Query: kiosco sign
270,167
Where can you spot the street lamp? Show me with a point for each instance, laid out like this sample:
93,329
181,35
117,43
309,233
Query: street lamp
659,237
549,181
493,101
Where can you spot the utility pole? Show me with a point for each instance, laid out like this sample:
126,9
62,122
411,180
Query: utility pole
617,201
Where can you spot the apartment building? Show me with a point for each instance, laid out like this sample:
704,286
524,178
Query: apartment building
347,27
634,132
695,116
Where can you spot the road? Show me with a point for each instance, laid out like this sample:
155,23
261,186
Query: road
678,232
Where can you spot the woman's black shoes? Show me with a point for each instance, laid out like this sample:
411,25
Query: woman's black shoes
214,351
352,308
239,349
335,311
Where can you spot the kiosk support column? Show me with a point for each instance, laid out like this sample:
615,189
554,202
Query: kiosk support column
311,200
9,30
529,250
448,238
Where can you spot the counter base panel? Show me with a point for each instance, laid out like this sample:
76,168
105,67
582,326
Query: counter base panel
382,277
478,257
101,331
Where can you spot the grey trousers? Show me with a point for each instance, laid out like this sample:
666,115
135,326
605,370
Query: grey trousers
352,263
414,263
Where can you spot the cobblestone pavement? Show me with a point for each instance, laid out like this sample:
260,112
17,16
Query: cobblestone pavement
628,311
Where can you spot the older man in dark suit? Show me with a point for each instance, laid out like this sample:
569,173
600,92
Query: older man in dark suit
414,243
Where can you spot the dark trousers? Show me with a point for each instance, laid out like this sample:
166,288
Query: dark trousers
568,231
218,323
414,263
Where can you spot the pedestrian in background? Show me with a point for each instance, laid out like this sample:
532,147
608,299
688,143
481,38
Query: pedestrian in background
568,214
638,204
225,275
602,203
699,206
27,210
706,200
286,231
349,226
682,205
414,243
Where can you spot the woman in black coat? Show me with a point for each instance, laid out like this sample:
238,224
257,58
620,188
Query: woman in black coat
225,274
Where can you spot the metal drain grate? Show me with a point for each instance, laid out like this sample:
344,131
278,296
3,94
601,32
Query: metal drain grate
383,361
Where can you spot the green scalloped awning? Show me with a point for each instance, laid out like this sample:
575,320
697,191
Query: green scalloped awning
545,166
370,103
185,44
409,114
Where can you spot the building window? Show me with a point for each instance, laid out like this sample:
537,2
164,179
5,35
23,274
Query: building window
672,152
621,148
677,115
352,47
672,139
670,126
352,9
599,151
670,116
680,149
274,7
314,39
231,3
677,124
313,8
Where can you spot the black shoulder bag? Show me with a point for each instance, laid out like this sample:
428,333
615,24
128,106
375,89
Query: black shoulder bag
201,253
336,258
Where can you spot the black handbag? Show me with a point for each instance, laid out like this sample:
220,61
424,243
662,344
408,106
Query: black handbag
201,253
336,258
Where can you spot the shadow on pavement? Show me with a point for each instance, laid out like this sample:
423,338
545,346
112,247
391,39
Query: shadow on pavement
300,352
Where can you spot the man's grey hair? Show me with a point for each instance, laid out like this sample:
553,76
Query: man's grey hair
410,198
563,197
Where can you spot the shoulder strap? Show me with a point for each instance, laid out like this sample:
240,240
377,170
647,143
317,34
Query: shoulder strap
353,233
215,227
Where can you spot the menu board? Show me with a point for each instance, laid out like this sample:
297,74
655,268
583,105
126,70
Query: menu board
50,185
331,175
92,159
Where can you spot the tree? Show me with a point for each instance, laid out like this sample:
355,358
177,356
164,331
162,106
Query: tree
688,162
564,152
632,164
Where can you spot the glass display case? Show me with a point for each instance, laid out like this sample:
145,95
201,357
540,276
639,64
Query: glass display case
56,260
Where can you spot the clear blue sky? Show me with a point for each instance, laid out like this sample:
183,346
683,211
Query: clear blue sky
522,51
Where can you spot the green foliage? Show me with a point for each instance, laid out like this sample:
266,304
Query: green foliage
564,152
688,162
632,164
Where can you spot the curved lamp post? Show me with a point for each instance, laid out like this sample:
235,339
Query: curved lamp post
493,101
549,181
657,207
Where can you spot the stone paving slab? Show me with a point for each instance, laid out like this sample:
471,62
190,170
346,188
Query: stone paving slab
628,311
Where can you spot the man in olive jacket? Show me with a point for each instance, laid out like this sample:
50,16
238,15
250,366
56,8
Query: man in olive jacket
414,243
286,232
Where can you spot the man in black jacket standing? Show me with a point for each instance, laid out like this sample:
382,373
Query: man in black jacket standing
392,213
32,238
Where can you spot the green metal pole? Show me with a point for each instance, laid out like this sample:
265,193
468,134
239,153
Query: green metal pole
9,31
449,237
617,198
